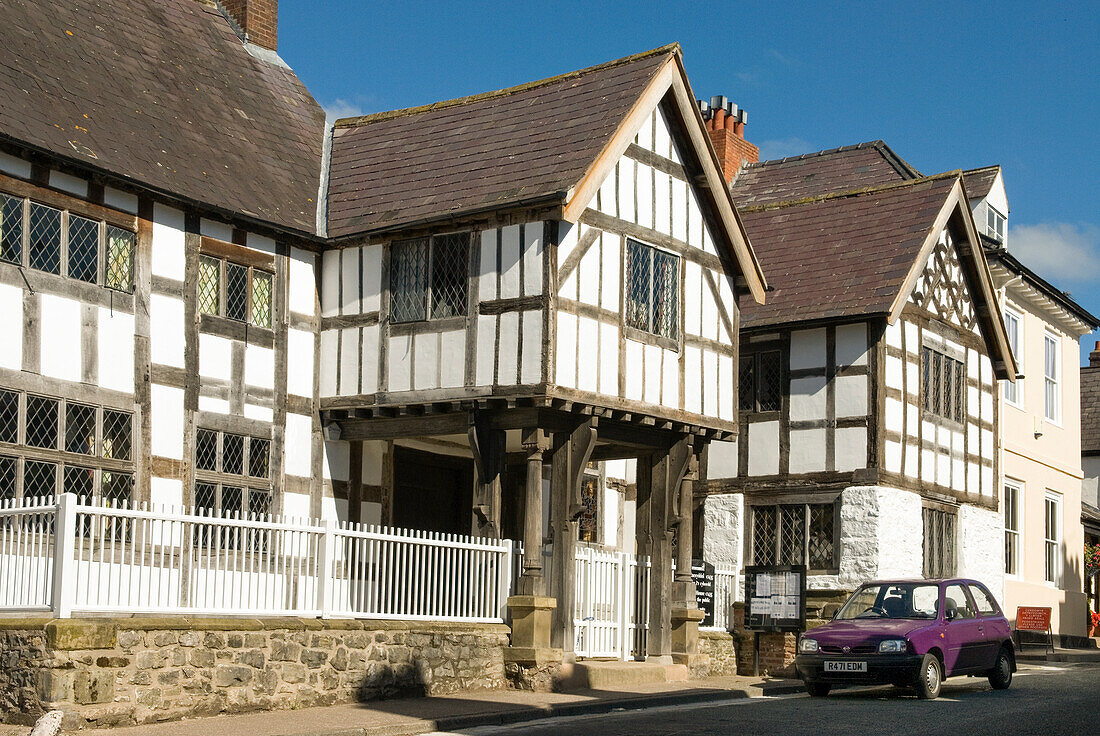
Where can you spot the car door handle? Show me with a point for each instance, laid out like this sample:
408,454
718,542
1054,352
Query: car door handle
981,629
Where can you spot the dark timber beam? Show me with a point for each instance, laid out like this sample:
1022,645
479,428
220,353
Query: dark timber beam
488,449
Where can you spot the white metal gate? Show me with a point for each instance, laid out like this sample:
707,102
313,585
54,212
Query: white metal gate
612,602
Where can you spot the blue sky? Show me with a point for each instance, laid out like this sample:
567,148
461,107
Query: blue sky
947,85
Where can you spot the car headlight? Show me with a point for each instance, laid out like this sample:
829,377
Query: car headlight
891,646
807,646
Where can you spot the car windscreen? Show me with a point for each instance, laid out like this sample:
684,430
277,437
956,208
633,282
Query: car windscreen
892,600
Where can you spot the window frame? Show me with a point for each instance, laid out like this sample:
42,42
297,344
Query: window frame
757,386
1013,391
1053,539
938,566
1052,383
220,479
933,373
806,504
992,213
64,266
222,291
1012,494
647,333
431,243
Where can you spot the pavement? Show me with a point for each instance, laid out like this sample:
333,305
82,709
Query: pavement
464,710
1038,653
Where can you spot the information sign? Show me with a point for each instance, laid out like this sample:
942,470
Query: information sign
775,598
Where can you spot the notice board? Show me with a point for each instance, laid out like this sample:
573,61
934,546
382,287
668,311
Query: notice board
702,574
775,598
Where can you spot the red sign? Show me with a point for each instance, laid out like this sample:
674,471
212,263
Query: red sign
1033,618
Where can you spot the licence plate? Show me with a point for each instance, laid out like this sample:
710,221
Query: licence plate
845,666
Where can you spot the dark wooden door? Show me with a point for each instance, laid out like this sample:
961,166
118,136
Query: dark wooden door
432,492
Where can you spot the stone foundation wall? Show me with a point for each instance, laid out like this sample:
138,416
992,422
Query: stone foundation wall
777,650
719,647
106,672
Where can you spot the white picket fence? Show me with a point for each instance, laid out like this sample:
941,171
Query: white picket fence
727,590
612,603
71,557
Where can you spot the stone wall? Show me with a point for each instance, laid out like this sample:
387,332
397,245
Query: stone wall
719,647
777,649
105,672
981,535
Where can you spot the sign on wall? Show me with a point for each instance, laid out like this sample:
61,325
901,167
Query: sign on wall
702,574
775,598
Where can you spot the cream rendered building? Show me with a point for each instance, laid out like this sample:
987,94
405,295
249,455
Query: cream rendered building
1040,425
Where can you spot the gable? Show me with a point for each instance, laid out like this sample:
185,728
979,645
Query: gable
941,287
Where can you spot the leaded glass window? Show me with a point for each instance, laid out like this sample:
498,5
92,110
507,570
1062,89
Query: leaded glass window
39,479
11,229
79,481
449,267
206,450
45,238
80,421
9,417
760,381
939,543
409,280
795,534
652,290
42,422
236,292
83,249
120,259
261,299
118,431
429,277
259,457
944,385
7,478
233,454
210,285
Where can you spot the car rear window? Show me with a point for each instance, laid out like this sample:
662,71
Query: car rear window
983,600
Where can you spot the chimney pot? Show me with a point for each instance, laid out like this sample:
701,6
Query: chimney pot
1094,356
719,118
725,124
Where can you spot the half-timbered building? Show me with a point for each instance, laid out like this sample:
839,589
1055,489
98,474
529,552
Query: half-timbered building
868,443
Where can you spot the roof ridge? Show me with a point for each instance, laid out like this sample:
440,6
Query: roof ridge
813,154
981,168
671,48
851,192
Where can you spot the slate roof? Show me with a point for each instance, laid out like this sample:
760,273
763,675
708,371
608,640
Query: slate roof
519,145
841,254
978,182
162,93
820,173
1090,411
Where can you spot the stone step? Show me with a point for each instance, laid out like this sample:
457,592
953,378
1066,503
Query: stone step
616,675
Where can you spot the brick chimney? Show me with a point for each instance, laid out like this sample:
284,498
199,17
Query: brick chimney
726,127
1094,356
259,19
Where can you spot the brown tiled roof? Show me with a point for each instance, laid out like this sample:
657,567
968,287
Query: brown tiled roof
162,93
1090,410
978,182
816,174
840,254
509,147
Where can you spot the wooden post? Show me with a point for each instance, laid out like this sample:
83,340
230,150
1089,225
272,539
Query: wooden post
64,562
532,582
668,470
488,446
571,453
685,588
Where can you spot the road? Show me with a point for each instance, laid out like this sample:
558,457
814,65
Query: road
1050,700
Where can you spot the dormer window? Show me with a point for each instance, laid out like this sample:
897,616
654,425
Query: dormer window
995,223
429,277
652,290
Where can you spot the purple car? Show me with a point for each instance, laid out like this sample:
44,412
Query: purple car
910,633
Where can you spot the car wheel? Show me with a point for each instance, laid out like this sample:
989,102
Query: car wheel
818,689
929,678
1000,677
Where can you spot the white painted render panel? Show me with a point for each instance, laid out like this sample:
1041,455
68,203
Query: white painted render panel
372,278
425,361
588,275
634,371
508,357
587,354
15,166
894,409
350,357
486,349
349,281
215,229
725,291
120,200
11,326
369,360
893,334
679,210
723,529
662,141
261,243
644,184
645,134
894,372
336,461
808,397
893,456
61,321
299,368
662,201
851,396
509,262
567,236
116,350
215,357
259,366
566,368
296,505
807,450
299,446
609,359
900,534
374,453
330,283
68,183
927,466
532,258
912,458
609,294
166,407
606,197
670,378
652,359
710,383
168,251
911,378
912,338
627,209
851,344
912,419
330,368
850,450
725,388
530,370
763,442
399,354
303,286
259,413
807,349
693,283
166,330
165,492
973,402
943,469
693,369
981,547
709,314
213,404
487,266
